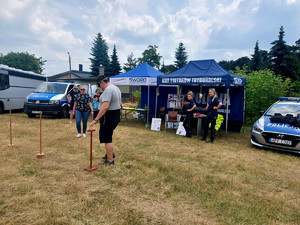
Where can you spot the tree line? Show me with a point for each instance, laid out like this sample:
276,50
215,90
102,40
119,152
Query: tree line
99,53
282,59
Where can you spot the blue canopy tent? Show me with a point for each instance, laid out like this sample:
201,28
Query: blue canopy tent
208,73
143,75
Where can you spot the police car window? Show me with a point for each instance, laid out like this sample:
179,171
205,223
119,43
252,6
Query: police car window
284,109
70,87
51,88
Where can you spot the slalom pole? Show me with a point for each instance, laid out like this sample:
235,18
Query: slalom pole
10,128
91,168
41,154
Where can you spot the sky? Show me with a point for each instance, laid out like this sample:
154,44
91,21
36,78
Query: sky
209,29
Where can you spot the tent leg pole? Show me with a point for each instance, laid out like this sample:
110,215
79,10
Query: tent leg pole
227,112
148,107
244,110
156,102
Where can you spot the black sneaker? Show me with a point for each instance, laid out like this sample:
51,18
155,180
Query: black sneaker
106,162
203,139
105,157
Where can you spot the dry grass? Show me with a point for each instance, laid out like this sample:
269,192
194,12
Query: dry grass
159,178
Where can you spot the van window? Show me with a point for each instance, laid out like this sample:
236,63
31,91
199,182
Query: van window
70,87
4,81
53,88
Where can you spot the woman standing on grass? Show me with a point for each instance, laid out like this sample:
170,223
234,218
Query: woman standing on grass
82,107
212,107
189,109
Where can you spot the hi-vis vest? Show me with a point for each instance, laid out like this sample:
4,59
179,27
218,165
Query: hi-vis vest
219,122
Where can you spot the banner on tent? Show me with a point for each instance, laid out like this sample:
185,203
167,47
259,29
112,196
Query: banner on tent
195,80
136,81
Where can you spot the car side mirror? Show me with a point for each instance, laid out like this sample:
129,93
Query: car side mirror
261,113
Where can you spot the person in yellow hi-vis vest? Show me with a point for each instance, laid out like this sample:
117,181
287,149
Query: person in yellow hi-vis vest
212,107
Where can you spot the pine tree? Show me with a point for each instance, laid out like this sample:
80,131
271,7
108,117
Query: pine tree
181,56
279,53
256,58
114,66
131,63
99,55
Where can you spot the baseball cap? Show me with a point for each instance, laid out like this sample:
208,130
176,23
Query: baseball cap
100,78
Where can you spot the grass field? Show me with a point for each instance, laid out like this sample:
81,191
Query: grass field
159,178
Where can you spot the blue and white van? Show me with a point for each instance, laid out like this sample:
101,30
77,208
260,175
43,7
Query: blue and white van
50,98
279,127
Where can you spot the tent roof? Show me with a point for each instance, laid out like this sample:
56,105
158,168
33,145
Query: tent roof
207,72
143,70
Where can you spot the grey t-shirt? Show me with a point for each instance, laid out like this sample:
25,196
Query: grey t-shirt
111,94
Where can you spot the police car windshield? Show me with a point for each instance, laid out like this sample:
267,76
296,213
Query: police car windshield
53,88
284,109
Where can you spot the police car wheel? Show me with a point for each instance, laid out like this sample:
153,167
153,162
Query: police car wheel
31,115
1,108
65,112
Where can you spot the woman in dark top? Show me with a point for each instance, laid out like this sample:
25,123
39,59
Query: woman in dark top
82,107
188,110
71,99
212,107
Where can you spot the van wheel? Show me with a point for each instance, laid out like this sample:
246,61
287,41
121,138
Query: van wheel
65,112
1,108
31,115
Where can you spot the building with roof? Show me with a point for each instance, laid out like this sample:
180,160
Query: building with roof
78,76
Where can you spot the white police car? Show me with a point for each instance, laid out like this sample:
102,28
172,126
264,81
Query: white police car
279,126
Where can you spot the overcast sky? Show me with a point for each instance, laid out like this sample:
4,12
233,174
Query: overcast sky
209,29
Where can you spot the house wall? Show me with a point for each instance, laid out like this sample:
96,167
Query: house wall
66,76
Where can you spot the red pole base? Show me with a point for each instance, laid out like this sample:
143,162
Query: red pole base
90,169
40,155
10,145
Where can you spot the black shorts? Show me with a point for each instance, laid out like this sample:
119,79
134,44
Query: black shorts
108,123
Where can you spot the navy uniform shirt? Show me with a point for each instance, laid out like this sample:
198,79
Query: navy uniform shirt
190,104
212,104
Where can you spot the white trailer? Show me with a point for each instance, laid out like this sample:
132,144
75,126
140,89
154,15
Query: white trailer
15,85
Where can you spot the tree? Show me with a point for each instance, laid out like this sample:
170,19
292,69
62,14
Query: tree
278,54
151,56
256,58
265,59
181,56
114,67
23,61
99,55
131,63
227,65
263,89
240,62
166,69
294,61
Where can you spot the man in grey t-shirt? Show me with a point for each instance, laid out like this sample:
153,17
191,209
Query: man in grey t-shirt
109,115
